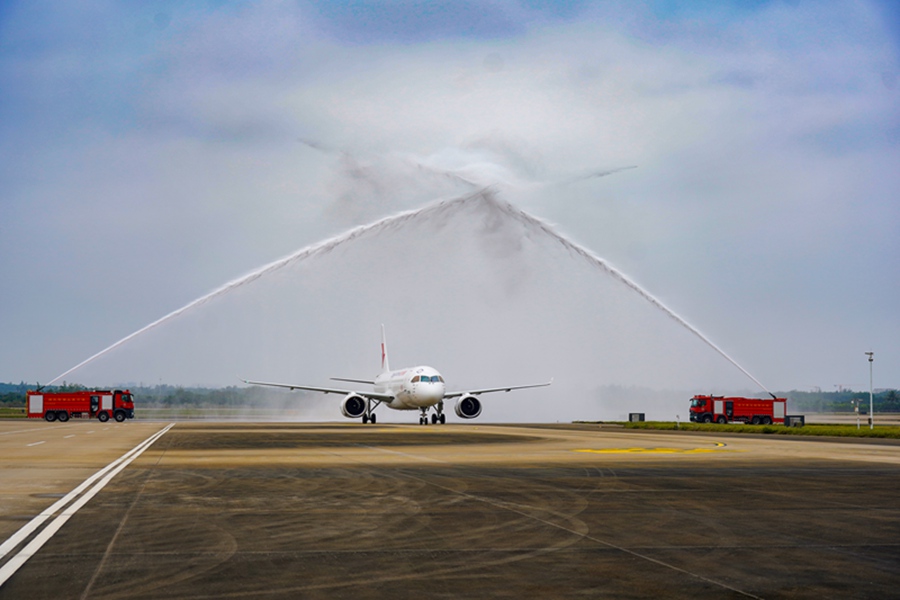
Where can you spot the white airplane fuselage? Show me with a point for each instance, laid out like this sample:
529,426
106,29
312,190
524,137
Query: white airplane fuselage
413,388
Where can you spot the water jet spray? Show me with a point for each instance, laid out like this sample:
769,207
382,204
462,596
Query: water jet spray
486,200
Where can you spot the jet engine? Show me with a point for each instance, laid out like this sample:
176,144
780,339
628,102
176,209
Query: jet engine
353,406
468,407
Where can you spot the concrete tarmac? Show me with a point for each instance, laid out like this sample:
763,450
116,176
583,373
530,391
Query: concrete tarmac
274,510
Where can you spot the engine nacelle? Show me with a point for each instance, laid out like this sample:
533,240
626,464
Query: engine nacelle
353,406
468,407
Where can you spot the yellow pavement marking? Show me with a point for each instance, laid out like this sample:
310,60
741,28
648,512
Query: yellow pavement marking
719,445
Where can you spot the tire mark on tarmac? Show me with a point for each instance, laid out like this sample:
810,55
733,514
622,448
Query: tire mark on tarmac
578,529
582,533
518,554
512,508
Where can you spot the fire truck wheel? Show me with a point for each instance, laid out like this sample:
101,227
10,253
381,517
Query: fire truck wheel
63,417
754,420
104,417
707,418
120,416
767,420
721,420
50,416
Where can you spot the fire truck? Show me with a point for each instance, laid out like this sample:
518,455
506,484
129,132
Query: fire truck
61,406
728,409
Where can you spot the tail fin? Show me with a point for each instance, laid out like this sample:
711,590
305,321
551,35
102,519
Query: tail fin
385,365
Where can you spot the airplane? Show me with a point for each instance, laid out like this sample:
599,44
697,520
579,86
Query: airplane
416,388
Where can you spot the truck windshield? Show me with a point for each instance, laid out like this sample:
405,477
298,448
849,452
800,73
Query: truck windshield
696,403
126,398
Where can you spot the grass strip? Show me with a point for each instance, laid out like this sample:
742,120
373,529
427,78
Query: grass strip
848,430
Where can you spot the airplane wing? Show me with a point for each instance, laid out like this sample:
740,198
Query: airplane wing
291,386
498,389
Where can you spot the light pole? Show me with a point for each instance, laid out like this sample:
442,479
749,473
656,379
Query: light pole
871,356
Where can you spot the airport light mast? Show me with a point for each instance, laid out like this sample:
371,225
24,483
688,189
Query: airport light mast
871,356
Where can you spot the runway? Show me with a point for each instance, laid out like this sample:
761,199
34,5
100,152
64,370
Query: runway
275,510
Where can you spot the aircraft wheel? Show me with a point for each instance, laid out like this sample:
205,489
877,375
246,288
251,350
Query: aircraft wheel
443,419
365,419
373,418
433,419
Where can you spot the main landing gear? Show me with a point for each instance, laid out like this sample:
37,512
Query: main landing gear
369,415
437,417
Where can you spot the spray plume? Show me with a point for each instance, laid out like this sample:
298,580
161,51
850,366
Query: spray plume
485,196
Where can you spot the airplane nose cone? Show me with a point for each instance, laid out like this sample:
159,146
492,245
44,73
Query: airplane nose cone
434,392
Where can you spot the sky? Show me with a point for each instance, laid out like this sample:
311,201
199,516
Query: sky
737,160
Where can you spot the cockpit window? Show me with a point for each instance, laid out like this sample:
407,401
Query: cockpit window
415,379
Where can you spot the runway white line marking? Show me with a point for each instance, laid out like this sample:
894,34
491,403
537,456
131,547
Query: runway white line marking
71,435
35,444
32,430
104,475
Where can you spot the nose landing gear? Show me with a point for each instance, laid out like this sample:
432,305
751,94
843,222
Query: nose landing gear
437,417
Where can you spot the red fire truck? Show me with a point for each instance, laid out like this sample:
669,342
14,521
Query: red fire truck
61,406
726,409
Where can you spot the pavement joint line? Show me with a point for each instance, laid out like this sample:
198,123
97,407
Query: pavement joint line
104,476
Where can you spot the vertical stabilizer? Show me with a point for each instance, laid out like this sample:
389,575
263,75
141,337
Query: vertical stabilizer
385,365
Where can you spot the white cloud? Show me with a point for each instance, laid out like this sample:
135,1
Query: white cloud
762,206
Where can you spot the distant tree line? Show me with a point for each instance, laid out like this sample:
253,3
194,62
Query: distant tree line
843,401
167,396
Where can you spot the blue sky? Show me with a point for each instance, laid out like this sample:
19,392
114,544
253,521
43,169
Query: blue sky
167,147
